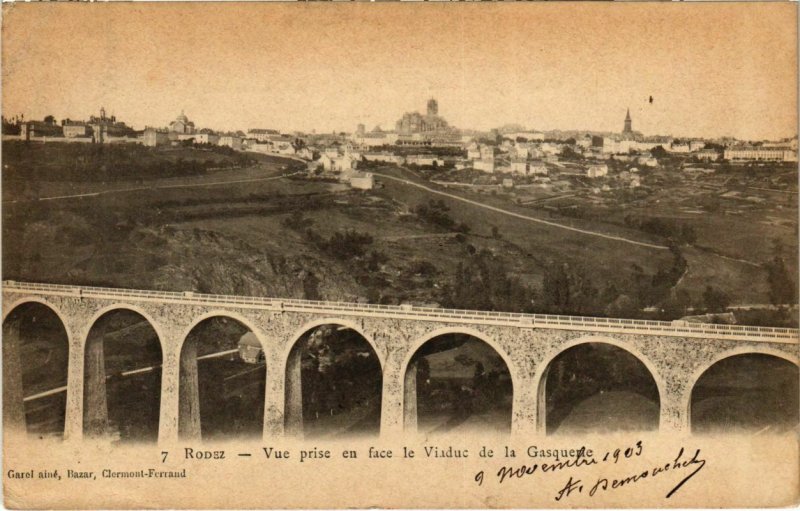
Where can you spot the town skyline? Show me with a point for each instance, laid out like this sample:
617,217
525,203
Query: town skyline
331,73
387,127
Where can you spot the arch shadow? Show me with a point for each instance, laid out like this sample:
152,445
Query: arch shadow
409,383
189,385
108,398
292,371
722,357
540,378
46,412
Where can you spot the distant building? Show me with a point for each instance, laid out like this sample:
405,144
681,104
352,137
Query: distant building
305,153
519,166
232,141
205,138
433,107
252,145
707,154
680,148
551,148
484,164
424,159
38,129
262,135
153,137
250,349
522,151
473,151
384,158
760,154
107,129
628,129
339,163
696,145
537,168
375,138
598,170
431,128
647,160
362,180
182,125
74,129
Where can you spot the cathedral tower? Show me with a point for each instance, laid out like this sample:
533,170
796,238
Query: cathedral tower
433,107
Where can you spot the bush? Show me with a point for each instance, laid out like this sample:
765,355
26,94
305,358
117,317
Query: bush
342,245
436,212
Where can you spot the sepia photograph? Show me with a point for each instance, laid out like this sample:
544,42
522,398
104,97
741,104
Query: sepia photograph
483,255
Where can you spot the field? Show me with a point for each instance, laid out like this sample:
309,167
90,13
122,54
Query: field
738,215
257,230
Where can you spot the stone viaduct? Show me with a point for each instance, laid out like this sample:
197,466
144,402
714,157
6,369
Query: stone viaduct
675,354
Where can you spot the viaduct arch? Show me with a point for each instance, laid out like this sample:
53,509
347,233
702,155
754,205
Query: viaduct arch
726,355
540,379
290,362
189,421
408,370
13,390
95,381
676,355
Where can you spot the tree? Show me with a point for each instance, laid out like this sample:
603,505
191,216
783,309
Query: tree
556,289
376,259
677,305
715,300
348,244
782,287
568,153
483,283
659,152
49,119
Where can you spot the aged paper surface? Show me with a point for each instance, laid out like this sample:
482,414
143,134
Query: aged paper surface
267,255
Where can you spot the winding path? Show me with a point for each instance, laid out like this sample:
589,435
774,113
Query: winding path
528,218
152,187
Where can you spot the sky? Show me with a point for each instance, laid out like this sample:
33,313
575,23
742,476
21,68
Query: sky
712,69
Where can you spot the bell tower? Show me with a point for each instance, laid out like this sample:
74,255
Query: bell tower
628,123
433,107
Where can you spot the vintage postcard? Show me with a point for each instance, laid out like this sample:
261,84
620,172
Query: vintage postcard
399,255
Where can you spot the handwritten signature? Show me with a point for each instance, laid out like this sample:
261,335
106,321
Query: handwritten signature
573,486
604,484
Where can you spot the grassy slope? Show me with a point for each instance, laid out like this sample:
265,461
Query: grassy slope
230,239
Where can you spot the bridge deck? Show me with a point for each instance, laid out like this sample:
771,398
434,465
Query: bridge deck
677,329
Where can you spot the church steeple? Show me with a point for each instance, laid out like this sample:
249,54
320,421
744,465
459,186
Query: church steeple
628,123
